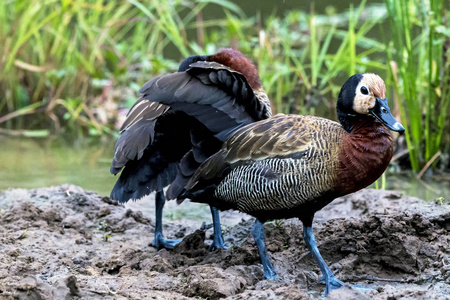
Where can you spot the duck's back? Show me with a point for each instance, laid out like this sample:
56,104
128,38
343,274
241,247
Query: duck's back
276,166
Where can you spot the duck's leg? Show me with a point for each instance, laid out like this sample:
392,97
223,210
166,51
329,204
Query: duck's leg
258,235
331,282
218,241
159,241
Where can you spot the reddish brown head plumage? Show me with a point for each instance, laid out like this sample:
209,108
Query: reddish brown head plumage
240,63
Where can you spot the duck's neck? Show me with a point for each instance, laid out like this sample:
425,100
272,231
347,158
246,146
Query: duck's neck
365,154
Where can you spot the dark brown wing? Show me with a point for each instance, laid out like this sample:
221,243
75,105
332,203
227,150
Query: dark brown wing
215,95
143,110
179,121
137,132
278,136
163,141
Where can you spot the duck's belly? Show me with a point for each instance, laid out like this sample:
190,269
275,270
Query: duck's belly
280,186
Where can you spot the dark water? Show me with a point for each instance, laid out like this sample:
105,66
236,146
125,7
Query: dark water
34,164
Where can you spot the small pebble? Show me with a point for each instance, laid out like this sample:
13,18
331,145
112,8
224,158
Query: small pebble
76,261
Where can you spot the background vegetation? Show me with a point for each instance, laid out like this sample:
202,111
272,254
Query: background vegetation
70,66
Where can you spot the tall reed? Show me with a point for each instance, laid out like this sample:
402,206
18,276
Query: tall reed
54,51
420,73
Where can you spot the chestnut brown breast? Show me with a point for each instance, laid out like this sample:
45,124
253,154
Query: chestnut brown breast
365,154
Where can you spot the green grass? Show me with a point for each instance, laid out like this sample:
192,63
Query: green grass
59,55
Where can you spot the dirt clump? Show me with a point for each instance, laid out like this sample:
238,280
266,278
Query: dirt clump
67,243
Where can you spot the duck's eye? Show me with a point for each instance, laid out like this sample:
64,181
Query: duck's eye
364,90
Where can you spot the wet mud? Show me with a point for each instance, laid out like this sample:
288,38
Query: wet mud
67,243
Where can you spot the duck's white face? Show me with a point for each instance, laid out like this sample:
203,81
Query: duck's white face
369,88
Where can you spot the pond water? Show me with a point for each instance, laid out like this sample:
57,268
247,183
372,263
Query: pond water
27,163
37,163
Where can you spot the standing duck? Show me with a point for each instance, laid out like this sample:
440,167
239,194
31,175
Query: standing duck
161,145
292,166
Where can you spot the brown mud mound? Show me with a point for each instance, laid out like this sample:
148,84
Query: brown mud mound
67,243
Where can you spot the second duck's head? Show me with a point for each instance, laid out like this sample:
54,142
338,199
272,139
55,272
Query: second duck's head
364,95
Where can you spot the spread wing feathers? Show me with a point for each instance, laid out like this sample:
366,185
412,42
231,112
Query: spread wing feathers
163,141
217,96
143,110
272,164
137,132
179,121
255,103
140,177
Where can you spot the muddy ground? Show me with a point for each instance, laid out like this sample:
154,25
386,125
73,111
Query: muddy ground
67,243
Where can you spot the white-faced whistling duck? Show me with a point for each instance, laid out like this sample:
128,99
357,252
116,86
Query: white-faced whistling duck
161,145
292,166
